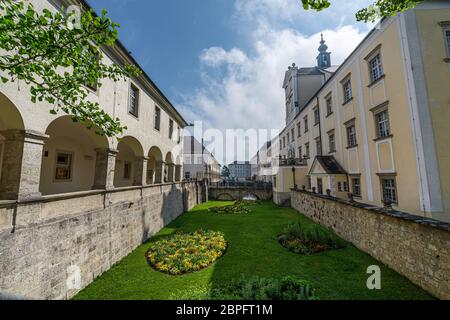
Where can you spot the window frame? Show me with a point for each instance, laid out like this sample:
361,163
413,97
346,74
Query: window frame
171,128
347,81
394,188
299,129
351,143
307,150
306,125
330,145
134,89
446,32
157,119
329,104
316,113
319,150
386,122
70,165
376,71
354,185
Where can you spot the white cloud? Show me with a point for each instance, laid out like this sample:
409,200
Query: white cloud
243,89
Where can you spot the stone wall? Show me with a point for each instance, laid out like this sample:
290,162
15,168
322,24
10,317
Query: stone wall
416,247
43,243
237,193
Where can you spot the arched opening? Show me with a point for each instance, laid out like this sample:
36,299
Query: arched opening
11,149
69,157
169,170
129,163
154,166
225,197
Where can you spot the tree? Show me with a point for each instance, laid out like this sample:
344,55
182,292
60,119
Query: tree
381,8
225,172
59,61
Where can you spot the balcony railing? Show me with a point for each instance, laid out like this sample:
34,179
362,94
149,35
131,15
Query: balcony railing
293,162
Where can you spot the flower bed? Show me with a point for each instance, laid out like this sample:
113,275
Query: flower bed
186,252
239,207
309,239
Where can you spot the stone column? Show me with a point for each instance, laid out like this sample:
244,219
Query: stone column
140,171
170,172
105,165
22,161
178,169
159,172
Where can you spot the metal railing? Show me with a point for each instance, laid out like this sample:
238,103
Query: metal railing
243,184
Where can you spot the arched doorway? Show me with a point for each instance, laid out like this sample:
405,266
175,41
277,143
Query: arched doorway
12,141
169,171
69,157
155,166
129,170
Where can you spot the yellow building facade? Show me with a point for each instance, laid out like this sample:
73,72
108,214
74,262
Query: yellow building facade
377,128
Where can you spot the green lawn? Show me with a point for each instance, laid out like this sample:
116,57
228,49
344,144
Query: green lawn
252,250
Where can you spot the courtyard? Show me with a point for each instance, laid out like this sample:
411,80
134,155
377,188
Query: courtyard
253,250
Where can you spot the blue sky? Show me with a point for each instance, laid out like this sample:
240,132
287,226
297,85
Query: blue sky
223,61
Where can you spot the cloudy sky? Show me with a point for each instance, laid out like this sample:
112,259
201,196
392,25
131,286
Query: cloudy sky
223,61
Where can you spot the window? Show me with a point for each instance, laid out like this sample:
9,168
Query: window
157,120
187,175
389,189
447,37
134,101
170,129
376,68
351,136
63,171
288,138
300,155
339,186
382,124
329,102
284,142
307,150
316,116
332,142
345,186
318,146
293,134
347,86
356,187
319,186
299,130
306,124
178,135
127,170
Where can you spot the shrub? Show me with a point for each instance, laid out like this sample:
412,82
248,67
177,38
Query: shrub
255,288
309,238
186,252
238,207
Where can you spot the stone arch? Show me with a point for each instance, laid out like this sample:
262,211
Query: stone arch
154,166
169,171
129,169
250,194
69,157
225,197
12,134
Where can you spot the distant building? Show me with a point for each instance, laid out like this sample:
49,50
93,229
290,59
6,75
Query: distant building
261,164
199,163
240,170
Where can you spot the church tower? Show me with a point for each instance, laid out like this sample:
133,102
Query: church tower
324,57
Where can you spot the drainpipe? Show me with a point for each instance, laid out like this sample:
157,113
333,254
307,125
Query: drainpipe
320,125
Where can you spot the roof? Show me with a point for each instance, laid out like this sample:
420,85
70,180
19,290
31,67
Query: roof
144,74
313,71
330,165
